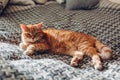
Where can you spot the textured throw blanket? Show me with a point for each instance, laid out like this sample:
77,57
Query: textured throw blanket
103,23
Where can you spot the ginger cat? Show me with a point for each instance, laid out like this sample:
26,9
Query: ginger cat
64,42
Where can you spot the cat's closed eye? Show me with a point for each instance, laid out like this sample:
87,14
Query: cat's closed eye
28,34
36,33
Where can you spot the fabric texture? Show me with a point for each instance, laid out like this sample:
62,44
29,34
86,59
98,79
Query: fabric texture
50,69
103,23
81,4
40,1
109,4
115,1
22,2
15,8
61,1
3,4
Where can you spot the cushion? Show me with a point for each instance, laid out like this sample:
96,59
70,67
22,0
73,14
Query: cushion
115,1
60,1
3,4
22,2
109,4
81,4
40,1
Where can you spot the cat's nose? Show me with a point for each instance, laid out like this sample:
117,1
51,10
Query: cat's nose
32,37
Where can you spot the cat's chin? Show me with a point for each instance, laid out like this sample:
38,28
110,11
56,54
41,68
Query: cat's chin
30,41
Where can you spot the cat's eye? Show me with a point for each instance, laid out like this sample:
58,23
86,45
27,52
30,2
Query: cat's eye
28,34
36,34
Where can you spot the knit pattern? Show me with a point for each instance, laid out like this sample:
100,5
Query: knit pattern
103,23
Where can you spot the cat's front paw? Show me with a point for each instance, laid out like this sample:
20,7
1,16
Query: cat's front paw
23,46
28,52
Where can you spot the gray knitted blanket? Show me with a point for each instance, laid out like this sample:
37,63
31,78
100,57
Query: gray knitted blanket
103,23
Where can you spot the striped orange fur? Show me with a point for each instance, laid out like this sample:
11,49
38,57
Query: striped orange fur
64,42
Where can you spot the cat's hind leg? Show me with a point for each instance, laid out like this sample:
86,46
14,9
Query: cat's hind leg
105,51
91,51
77,56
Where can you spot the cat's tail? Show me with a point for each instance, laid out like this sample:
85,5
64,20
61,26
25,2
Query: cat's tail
105,51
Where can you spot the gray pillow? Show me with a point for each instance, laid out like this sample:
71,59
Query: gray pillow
60,1
40,1
81,4
3,4
22,2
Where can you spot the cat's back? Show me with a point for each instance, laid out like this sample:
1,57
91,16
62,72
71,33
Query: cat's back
53,31
65,34
68,37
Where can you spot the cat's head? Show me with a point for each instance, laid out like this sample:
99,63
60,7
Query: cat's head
32,33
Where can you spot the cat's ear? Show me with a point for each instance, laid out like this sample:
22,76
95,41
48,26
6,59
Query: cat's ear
23,27
40,25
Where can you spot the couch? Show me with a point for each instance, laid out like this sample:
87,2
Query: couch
102,22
